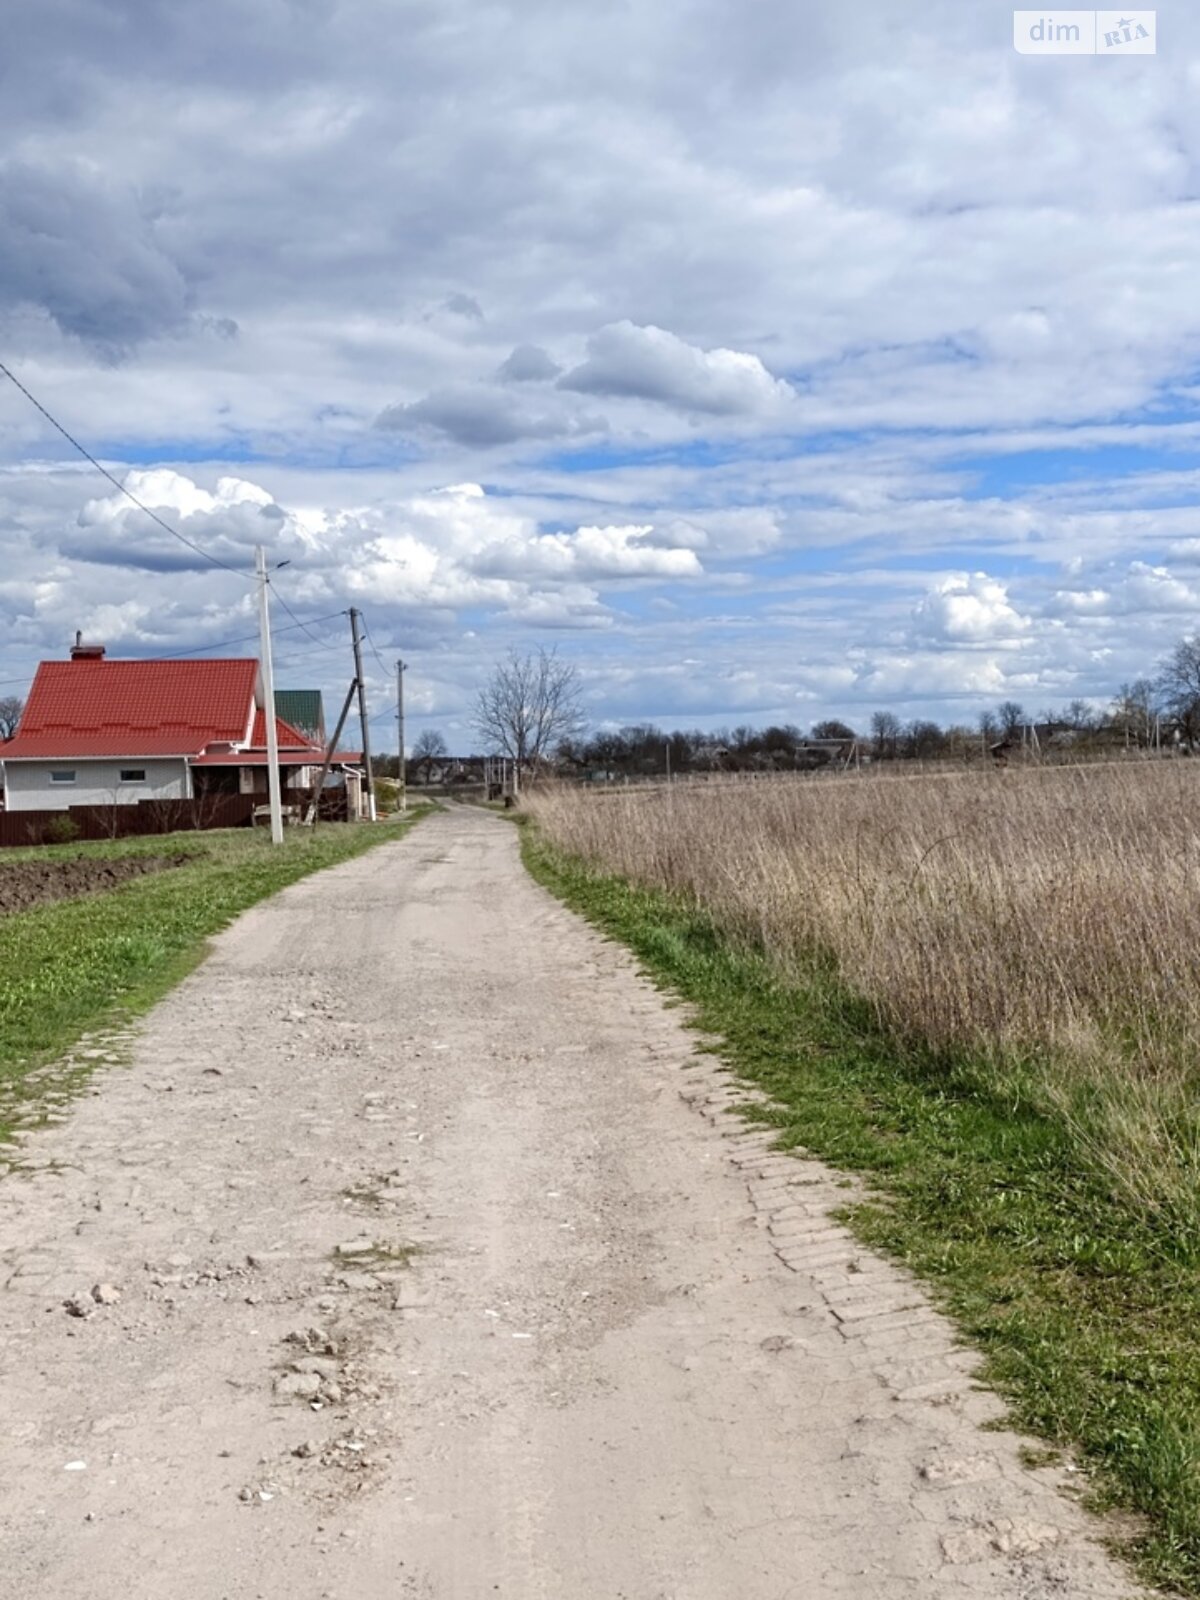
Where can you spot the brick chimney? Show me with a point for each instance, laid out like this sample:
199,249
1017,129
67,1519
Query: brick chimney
86,652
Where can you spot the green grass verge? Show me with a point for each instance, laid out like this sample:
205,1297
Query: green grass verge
1086,1316
69,968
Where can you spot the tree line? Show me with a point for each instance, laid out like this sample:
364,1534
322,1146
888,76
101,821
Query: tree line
530,710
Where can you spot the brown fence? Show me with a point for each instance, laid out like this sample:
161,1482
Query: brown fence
123,822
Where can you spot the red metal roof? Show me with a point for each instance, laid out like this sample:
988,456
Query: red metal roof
134,708
294,749
287,735
258,758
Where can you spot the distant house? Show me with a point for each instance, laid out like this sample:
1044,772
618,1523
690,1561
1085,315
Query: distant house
101,732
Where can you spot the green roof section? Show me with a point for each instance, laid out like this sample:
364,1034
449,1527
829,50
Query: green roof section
304,709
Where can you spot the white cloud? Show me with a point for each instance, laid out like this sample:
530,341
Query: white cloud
84,250
479,416
741,531
968,608
626,361
166,490
613,552
1079,602
528,363
827,278
1155,590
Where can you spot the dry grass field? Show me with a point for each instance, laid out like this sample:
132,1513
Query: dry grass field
1047,920
982,991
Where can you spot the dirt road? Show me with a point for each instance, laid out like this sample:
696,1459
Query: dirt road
444,1272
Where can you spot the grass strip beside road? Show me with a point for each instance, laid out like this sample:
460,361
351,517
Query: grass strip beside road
75,966
1085,1315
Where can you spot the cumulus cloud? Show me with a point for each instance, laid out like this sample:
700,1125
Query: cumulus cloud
481,417
899,677
1079,603
1141,589
226,522
425,557
648,363
615,552
463,305
741,531
827,280
968,608
460,547
528,363
81,250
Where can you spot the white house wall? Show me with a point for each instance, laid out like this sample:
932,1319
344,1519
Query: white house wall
97,783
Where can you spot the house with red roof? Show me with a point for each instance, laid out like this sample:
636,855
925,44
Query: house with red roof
106,732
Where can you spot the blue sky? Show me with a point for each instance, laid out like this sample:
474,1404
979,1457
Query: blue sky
770,364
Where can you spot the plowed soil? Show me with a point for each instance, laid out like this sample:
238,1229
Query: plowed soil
34,883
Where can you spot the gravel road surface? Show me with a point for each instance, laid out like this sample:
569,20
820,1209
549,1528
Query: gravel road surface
411,1251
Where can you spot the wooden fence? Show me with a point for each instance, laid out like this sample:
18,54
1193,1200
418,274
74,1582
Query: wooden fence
126,821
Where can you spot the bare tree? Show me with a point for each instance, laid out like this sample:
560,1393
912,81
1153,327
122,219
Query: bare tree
885,734
529,705
1080,715
1179,683
1011,717
1134,710
430,747
11,707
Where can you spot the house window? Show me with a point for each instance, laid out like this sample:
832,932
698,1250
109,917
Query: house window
133,774
62,775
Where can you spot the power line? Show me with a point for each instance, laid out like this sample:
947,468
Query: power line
384,668
117,484
167,528
324,643
247,638
220,644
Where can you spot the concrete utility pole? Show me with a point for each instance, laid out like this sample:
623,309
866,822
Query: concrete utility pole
362,713
401,669
268,682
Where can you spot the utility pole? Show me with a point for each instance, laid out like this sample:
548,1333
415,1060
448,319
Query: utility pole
362,713
401,669
315,808
268,683
667,749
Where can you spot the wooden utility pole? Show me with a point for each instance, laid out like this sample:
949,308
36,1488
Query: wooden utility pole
401,669
268,688
362,713
314,809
